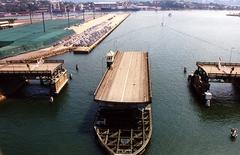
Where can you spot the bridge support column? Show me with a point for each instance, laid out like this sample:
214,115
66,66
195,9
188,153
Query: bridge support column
59,82
41,81
236,83
199,85
199,82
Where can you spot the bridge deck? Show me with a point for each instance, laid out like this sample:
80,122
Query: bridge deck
213,69
127,80
48,67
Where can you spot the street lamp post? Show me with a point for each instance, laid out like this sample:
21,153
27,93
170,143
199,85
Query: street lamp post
43,22
51,10
83,15
93,12
231,54
30,14
68,16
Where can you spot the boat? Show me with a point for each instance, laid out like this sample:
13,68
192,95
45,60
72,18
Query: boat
234,133
123,123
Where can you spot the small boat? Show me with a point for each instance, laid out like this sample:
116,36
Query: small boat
51,99
234,133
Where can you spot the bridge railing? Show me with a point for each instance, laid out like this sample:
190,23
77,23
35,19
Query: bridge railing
216,63
46,72
222,75
32,61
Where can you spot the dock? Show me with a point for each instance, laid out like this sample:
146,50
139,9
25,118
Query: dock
103,29
123,122
19,71
207,72
104,25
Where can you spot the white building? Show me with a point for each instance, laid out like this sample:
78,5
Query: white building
55,4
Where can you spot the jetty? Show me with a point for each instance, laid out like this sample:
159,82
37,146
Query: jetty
207,72
123,122
97,32
13,74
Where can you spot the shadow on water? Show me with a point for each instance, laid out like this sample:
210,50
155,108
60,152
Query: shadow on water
224,104
33,91
196,97
87,126
34,100
148,148
88,119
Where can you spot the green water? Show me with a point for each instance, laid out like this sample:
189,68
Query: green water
31,37
181,123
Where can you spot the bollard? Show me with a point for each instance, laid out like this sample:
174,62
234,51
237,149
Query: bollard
185,70
77,67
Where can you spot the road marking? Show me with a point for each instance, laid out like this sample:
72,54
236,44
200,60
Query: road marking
125,82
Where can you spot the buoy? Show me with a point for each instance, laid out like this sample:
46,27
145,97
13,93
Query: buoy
51,99
77,67
185,70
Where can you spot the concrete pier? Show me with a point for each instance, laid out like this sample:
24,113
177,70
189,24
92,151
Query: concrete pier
17,72
92,36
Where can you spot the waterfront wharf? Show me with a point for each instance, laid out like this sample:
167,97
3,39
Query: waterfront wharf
98,31
214,72
42,53
51,72
123,123
87,36
127,80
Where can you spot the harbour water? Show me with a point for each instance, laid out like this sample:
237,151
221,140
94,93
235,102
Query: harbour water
181,123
